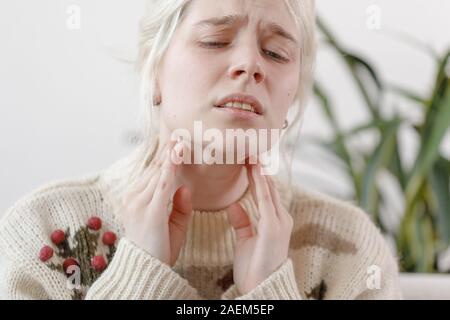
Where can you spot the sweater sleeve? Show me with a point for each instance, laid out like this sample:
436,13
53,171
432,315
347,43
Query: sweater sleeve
134,274
280,285
131,274
386,286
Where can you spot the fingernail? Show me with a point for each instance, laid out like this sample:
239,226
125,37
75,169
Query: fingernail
177,157
264,171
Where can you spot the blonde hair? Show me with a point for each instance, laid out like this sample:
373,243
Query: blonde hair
157,27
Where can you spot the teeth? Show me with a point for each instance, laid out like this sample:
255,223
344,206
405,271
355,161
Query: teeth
238,105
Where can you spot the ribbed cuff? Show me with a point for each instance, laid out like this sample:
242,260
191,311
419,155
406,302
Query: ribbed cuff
135,274
280,285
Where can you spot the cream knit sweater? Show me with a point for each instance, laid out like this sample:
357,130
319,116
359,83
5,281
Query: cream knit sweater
336,252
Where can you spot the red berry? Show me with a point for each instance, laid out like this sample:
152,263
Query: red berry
94,223
45,253
69,262
98,263
58,237
109,238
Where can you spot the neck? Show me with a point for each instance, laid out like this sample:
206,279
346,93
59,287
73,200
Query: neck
213,186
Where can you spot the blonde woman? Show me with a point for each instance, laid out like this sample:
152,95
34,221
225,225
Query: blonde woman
153,227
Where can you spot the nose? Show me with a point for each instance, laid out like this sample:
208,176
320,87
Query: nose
247,66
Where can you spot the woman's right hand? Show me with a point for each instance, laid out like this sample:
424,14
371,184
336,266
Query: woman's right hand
147,220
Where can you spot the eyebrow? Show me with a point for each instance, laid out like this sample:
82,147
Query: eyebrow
229,20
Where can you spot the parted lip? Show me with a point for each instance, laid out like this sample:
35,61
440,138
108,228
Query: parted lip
242,98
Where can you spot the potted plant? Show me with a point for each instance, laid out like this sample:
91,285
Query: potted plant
422,239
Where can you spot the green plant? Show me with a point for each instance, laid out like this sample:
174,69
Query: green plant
424,231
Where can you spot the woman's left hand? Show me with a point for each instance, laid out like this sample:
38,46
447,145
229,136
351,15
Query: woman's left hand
258,254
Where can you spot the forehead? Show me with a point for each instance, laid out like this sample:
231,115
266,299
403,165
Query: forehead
269,13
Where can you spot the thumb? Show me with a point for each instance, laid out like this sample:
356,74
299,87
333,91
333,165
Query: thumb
182,207
240,221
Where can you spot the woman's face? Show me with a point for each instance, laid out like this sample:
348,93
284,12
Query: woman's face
254,53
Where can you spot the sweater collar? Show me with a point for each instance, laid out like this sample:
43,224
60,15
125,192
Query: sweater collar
210,238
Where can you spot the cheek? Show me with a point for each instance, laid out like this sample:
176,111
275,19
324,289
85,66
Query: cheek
190,75
285,94
290,86
185,86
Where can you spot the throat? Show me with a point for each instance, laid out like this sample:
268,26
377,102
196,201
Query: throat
215,194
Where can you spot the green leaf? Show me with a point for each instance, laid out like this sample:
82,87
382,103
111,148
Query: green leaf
437,123
439,178
409,95
395,166
442,75
379,158
377,124
358,68
426,251
413,42
357,61
338,144
329,37
319,92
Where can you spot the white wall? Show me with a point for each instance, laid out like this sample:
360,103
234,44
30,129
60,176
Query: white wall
66,104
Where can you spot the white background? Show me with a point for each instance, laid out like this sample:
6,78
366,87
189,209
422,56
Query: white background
67,105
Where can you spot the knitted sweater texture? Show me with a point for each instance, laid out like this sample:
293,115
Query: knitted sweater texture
336,251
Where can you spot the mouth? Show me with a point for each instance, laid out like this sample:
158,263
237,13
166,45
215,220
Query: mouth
241,102
239,106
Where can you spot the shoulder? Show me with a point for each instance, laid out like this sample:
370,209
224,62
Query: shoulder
341,225
51,194
339,243
316,207
30,258
59,204
308,206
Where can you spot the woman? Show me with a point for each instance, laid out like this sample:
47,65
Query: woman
156,226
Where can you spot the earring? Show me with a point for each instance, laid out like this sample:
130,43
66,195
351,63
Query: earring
286,123
157,99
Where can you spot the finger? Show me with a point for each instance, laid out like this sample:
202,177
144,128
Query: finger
281,212
145,197
146,178
179,220
177,152
140,192
251,183
240,221
265,203
159,168
149,172
142,181
165,184
182,208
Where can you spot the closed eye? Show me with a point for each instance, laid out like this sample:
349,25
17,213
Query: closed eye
215,44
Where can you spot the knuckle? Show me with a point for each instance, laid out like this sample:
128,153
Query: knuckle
163,184
271,230
289,220
132,208
124,201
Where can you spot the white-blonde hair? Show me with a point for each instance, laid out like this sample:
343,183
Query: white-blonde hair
157,27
